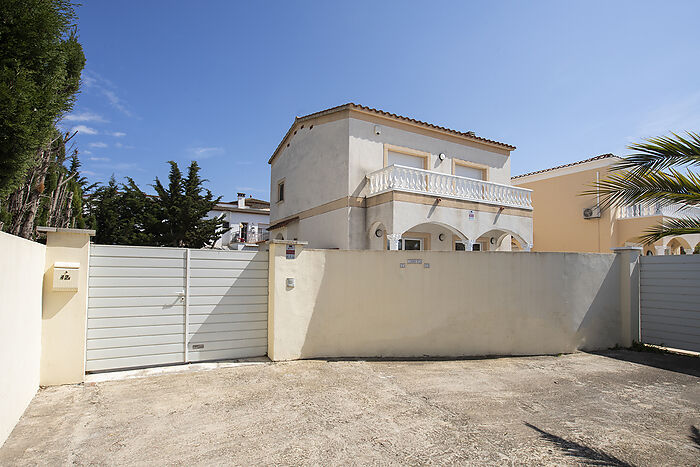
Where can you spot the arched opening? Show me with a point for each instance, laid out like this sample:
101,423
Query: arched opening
696,250
433,236
679,246
279,236
500,240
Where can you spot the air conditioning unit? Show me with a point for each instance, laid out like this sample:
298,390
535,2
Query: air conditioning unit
591,213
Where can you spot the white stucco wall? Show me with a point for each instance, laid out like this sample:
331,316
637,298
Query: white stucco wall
314,166
21,276
330,162
234,218
366,151
400,216
362,304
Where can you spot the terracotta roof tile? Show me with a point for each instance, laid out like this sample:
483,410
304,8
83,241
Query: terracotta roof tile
350,105
596,158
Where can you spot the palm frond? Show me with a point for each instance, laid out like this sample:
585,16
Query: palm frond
656,154
665,188
671,227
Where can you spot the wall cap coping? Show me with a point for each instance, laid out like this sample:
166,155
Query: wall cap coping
65,230
620,249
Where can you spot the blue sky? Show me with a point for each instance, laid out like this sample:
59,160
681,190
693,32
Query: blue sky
220,82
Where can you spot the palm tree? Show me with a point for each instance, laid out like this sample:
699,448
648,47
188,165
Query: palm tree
651,177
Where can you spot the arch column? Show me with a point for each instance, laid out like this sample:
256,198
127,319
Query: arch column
393,239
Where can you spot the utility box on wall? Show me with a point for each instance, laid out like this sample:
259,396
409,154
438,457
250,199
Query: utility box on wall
65,276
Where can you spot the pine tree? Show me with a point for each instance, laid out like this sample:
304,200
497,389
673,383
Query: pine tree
182,210
125,215
40,65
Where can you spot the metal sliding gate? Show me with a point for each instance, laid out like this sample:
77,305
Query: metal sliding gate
155,306
670,301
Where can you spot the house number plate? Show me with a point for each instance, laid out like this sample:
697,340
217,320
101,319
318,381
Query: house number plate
415,261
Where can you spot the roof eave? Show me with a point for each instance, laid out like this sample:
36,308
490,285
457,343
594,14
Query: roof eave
387,115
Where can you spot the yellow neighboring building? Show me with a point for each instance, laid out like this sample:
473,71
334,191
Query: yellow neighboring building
566,221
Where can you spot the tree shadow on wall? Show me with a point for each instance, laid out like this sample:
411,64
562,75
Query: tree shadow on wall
584,454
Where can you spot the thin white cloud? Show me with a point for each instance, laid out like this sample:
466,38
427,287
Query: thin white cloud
116,101
89,172
92,80
103,159
205,152
84,117
118,134
85,130
248,189
119,145
98,144
678,116
87,151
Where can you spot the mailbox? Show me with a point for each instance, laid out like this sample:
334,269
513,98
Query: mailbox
65,276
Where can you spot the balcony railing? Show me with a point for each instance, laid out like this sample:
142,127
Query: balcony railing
238,236
398,177
646,210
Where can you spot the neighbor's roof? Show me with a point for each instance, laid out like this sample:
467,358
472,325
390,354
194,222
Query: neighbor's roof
596,158
362,108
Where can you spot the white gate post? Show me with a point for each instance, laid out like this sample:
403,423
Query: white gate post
186,305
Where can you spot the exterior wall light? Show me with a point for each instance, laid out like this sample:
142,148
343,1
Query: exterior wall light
441,156
492,241
378,232
441,237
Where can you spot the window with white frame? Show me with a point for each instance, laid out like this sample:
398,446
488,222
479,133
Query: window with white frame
415,244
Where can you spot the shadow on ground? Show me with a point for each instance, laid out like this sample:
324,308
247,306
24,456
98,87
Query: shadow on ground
695,436
584,454
685,364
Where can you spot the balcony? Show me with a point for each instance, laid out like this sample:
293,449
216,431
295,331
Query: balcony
235,235
400,178
647,210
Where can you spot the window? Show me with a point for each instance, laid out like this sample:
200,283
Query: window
460,246
395,158
476,247
280,191
408,244
412,244
469,170
226,225
397,155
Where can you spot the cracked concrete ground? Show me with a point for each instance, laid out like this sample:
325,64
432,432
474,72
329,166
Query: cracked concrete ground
612,408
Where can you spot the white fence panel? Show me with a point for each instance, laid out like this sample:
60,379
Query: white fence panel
670,301
227,304
155,306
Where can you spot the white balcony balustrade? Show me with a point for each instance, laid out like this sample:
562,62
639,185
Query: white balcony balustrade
398,177
656,209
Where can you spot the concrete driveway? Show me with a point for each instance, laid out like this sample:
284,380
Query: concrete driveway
614,408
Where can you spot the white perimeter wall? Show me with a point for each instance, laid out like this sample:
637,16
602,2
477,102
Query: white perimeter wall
21,277
363,304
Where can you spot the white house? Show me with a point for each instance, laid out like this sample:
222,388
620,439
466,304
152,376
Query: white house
245,222
353,177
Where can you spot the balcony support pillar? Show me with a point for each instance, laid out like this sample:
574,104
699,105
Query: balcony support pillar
393,241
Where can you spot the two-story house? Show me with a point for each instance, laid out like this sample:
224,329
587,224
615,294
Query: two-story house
245,222
353,177
567,221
